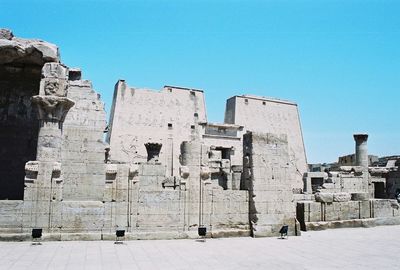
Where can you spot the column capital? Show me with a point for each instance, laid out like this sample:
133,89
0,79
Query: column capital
52,108
360,137
153,151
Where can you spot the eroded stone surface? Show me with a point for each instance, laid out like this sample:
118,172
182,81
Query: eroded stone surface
6,34
25,51
167,171
324,197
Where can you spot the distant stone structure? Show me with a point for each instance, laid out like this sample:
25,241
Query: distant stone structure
176,118
350,195
350,160
163,170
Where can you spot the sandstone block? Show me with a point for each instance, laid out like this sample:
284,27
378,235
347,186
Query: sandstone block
341,197
324,197
152,170
360,196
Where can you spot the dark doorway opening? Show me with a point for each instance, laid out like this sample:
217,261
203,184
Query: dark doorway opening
379,188
225,152
18,126
316,183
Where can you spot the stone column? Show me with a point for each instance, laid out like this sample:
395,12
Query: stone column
52,112
43,183
197,200
53,105
361,150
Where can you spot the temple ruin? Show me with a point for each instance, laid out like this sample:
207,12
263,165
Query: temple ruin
159,169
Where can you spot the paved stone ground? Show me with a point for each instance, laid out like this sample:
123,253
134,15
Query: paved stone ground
360,248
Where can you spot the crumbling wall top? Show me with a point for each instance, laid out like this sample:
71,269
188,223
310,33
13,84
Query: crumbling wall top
15,50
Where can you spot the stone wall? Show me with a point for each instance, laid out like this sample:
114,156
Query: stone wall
314,215
266,172
83,149
264,115
136,199
76,187
235,143
11,213
337,182
169,117
73,192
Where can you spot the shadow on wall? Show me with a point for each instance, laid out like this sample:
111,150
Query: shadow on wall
247,182
18,125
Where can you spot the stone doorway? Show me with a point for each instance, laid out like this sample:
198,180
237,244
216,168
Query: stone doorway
379,190
225,152
316,183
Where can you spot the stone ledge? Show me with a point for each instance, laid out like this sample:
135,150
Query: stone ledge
353,223
230,233
98,236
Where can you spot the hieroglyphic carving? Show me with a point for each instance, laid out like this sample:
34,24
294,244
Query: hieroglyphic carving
171,182
133,170
128,147
55,87
55,70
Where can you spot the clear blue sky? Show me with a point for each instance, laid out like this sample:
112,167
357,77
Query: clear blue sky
339,60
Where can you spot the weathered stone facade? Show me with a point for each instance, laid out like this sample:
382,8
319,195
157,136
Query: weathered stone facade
21,62
163,171
351,196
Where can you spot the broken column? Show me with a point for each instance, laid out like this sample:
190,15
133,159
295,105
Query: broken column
361,150
362,160
191,160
